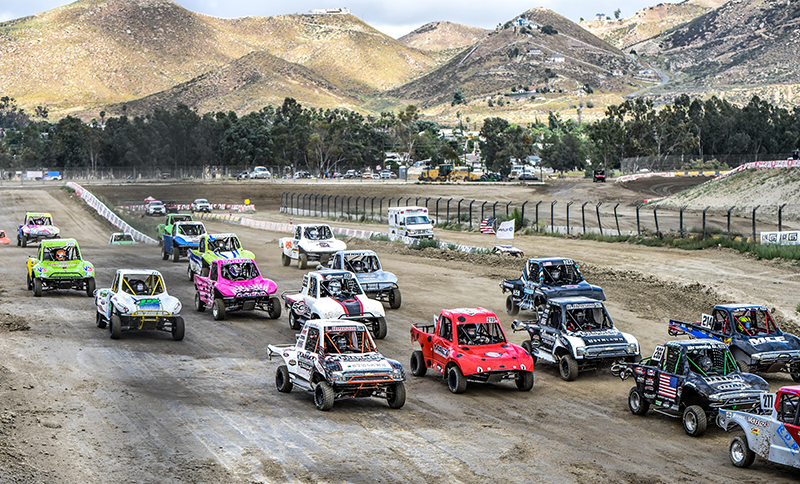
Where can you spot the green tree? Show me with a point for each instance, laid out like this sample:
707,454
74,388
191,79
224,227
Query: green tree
493,141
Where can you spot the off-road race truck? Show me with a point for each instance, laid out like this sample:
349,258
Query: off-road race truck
755,341
37,226
121,238
337,359
138,301
376,283
577,334
469,345
58,264
213,247
771,431
544,278
311,242
330,294
166,227
693,379
184,236
235,285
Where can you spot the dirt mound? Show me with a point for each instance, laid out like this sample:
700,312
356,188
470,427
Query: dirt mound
10,322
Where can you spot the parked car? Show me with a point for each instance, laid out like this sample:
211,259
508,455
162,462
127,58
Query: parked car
243,175
155,208
171,206
351,174
387,174
260,172
201,205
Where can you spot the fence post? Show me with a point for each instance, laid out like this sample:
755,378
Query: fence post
291,203
372,208
416,201
301,202
329,205
552,216
380,209
522,215
754,223
348,207
389,205
599,225
316,197
398,201
282,194
508,205
537,214
729,221
583,216
638,227
568,204
459,211
482,216
470,213
357,208
448,209
655,216
780,217
437,209
704,222
494,209
616,218
681,219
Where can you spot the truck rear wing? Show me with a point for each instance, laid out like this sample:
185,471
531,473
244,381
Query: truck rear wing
288,292
693,330
426,328
276,350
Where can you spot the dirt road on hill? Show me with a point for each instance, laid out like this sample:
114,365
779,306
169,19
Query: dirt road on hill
79,407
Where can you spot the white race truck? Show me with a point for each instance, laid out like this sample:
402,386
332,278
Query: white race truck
410,222
311,242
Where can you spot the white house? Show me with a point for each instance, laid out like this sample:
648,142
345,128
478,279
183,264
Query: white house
329,11
557,58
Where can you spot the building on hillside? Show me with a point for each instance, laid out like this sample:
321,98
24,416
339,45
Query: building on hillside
558,58
600,17
329,11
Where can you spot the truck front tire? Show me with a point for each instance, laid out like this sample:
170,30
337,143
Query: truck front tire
302,261
568,367
218,309
37,287
178,329
282,380
164,255
382,329
395,298
275,308
396,396
694,420
456,381
524,381
176,254
323,396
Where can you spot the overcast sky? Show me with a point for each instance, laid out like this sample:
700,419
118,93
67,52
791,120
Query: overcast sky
395,18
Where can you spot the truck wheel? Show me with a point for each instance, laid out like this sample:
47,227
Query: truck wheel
90,286
302,261
29,281
527,345
37,287
282,380
218,309
199,306
524,381
19,242
568,368
323,260
438,179
115,326
795,377
694,420
178,329
285,260
176,254
395,299
190,273
636,402
511,307
743,367
381,330
455,379
323,396
418,367
164,255
274,308
740,453
293,321
24,241
396,395
100,321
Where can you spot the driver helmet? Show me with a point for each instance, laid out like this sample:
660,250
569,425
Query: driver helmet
705,363
312,233
340,340
556,274
335,288
358,266
61,255
139,287
580,316
744,321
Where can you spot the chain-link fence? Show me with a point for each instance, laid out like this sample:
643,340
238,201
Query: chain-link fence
691,162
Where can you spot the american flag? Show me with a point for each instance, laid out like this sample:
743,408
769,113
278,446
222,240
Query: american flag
667,386
487,226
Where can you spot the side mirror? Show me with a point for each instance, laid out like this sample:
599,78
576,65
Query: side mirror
517,325
297,337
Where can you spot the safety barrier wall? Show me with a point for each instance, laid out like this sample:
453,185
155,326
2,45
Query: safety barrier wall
109,214
215,206
762,164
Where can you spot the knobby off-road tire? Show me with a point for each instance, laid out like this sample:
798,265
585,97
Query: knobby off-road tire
456,381
164,255
199,305
294,323
382,329
511,307
218,309
24,241
568,367
90,286
524,381
694,420
37,287
282,380
395,298
178,329
176,254
115,326
740,453
275,308
190,273
396,395
527,345
324,396
285,260
29,281
418,367
636,402
743,367
100,321
302,261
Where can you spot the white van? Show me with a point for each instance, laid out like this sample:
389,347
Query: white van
410,222
260,172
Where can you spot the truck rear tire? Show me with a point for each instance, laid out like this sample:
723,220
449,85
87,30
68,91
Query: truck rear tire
302,261
178,329
282,380
418,367
189,272
456,381
694,420
396,396
275,308
90,286
568,368
511,307
100,321
740,453
199,305
324,396
395,298
24,241
285,260
218,309
636,402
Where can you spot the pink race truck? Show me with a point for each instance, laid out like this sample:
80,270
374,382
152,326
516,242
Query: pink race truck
235,285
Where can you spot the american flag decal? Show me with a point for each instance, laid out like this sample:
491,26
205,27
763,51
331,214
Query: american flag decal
487,226
667,386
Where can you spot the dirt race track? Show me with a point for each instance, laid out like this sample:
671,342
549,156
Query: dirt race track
80,407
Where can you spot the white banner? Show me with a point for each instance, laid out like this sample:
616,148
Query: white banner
505,231
785,237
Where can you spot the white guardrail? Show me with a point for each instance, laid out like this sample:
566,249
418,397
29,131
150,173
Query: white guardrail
109,214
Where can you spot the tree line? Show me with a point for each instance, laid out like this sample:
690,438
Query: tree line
338,139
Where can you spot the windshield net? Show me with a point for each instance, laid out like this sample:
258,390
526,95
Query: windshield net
361,264
61,254
348,340
753,322
191,230
224,244
321,232
123,238
588,319
39,221
339,287
239,271
710,361
474,334
142,284
561,275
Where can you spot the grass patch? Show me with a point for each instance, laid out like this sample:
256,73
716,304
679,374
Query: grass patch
67,189
425,243
379,237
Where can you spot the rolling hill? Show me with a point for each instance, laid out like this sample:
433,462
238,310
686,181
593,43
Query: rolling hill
443,39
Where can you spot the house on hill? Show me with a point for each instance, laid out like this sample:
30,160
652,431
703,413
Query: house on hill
329,11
